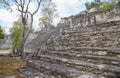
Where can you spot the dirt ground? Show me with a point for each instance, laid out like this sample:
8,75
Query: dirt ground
8,66
5,51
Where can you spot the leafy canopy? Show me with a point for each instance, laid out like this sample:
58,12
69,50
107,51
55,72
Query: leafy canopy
93,4
105,5
48,12
2,35
16,35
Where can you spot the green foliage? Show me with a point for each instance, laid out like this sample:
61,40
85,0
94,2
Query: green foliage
16,35
93,4
107,5
16,38
48,12
2,35
4,3
114,0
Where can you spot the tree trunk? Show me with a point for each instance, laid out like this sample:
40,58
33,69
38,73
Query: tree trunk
21,50
25,36
24,12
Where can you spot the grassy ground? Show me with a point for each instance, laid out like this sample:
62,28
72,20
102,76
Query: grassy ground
9,65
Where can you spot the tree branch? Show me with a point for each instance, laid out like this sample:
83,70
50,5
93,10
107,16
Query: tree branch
29,29
28,5
39,2
25,12
16,2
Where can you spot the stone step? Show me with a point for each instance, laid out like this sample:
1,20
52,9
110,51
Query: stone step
90,58
105,33
94,41
88,39
83,64
86,44
97,43
97,49
90,32
32,73
111,52
96,27
59,70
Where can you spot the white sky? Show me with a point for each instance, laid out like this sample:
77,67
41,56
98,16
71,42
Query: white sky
65,9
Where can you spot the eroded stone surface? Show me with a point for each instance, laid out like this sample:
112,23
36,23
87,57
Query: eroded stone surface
88,46
32,73
73,73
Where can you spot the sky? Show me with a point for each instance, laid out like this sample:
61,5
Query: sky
65,8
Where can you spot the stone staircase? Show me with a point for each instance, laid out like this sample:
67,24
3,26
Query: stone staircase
79,52
43,36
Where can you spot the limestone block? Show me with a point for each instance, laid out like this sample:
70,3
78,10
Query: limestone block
118,55
90,52
101,66
102,53
115,62
86,76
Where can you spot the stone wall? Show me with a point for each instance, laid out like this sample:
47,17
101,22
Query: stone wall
93,49
42,36
5,43
94,17
104,35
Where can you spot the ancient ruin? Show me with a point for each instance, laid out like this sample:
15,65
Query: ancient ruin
86,45
5,43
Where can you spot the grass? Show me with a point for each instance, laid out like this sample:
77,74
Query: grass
8,66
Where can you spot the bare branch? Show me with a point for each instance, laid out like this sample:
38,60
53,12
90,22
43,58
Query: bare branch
39,2
21,2
28,5
26,14
16,2
25,11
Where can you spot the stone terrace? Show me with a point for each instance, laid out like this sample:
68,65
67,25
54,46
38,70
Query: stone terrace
81,49
91,51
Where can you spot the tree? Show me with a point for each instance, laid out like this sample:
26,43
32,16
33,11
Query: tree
25,13
48,12
93,4
114,0
105,5
16,34
23,8
2,35
4,2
